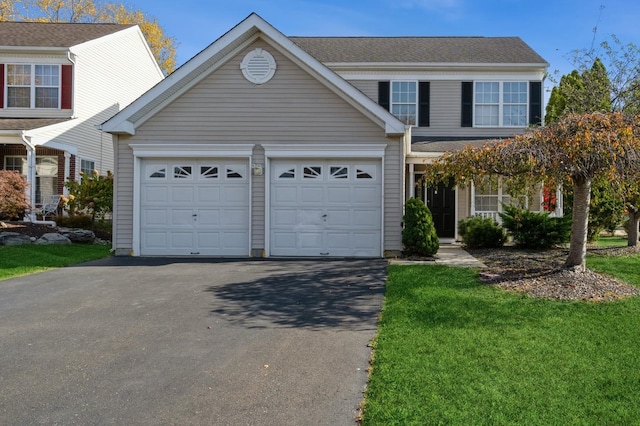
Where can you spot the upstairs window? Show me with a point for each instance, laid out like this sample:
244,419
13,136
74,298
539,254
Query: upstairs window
404,101
33,86
500,104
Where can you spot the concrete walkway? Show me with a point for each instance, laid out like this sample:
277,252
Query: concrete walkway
448,254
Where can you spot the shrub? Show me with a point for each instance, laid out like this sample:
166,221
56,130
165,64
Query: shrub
13,196
75,221
419,234
92,195
481,232
535,230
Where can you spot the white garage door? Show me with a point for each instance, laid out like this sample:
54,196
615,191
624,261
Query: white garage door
191,207
325,208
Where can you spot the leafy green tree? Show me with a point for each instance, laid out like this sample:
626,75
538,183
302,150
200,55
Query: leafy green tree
419,234
92,195
162,46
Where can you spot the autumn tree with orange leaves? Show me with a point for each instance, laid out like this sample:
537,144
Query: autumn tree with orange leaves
577,148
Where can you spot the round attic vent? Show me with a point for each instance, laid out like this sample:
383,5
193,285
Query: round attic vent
258,66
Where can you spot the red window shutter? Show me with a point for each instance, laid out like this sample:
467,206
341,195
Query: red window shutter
67,87
1,85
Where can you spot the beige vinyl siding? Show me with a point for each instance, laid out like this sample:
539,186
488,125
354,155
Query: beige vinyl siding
393,197
292,108
258,188
368,87
123,201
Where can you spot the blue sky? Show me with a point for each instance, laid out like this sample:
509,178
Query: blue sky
553,28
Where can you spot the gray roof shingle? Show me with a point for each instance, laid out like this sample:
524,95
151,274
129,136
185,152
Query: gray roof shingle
60,35
28,123
448,50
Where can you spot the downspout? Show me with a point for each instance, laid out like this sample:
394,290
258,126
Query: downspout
31,180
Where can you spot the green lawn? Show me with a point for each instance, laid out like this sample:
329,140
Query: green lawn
30,258
453,351
611,242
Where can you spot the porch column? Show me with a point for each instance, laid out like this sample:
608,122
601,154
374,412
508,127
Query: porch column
67,172
31,172
472,211
412,181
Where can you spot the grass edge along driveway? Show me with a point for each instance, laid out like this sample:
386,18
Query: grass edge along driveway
451,350
26,259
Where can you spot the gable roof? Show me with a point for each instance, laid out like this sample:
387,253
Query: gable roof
208,60
428,50
53,35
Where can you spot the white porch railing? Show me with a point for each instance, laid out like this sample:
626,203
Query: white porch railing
492,215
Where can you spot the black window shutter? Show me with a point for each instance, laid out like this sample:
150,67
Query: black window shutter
383,94
424,95
535,103
467,104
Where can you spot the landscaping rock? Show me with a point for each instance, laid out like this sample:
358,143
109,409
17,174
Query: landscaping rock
82,236
53,238
13,239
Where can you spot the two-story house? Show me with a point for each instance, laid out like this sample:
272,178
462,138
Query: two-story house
268,145
59,82
452,91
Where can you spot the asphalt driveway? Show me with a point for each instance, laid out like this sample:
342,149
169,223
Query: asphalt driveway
169,341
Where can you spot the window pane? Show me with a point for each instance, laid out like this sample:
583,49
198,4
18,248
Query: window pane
19,75
46,97
487,115
487,92
18,97
47,75
514,115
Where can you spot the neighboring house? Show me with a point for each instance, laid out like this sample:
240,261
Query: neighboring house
268,145
59,82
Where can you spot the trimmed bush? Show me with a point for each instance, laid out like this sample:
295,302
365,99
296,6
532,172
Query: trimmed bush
75,221
481,232
13,196
419,236
535,230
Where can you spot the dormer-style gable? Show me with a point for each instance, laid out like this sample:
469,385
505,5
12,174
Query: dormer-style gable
215,55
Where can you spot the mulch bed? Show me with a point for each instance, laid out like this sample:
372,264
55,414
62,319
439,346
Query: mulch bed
540,273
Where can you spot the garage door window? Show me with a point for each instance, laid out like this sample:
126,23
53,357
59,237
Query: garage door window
339,172
312,172
365,173
182,172
234,174
209,172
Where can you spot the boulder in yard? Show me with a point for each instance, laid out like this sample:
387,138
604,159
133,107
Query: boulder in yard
79,235
14,239
53,238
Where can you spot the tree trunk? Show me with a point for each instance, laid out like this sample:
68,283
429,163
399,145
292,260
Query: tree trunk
632,236
579,224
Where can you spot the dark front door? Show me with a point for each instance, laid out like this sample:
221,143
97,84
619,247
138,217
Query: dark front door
441,200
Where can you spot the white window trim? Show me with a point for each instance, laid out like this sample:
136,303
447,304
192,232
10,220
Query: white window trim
501,103
89,160
32,86
391,103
